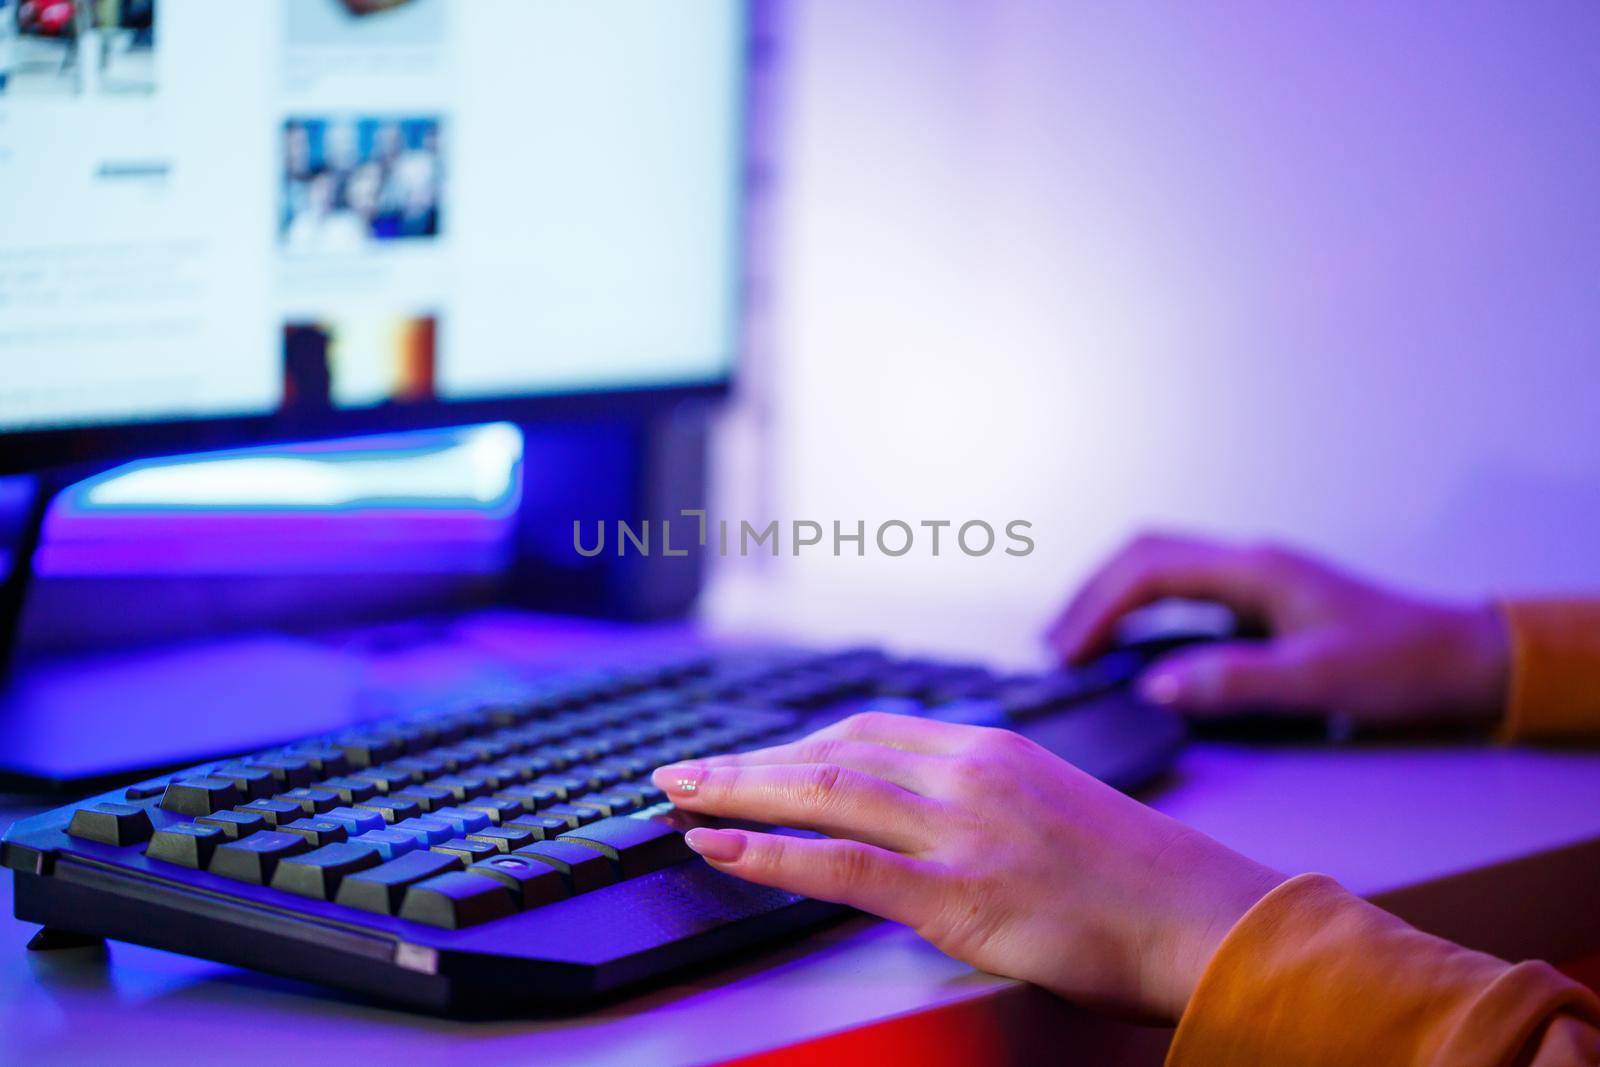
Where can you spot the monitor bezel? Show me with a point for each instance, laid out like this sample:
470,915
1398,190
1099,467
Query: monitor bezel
26,451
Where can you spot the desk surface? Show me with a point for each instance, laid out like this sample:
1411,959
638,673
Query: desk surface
1401,824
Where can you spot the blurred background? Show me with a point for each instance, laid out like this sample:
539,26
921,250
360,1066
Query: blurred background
1322,273
1328,274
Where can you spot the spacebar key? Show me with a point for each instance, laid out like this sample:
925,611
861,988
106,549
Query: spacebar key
381,889
637,846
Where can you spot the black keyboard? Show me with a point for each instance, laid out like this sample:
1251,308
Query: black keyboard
514,856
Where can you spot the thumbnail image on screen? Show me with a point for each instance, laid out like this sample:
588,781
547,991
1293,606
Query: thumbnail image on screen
349,182
77,47
354,360
344,23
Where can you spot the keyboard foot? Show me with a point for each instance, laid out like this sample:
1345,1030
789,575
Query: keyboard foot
48,939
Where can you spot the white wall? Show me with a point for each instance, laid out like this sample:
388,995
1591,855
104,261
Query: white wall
1325,272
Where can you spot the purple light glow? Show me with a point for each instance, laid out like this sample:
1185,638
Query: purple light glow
1326,274
438,501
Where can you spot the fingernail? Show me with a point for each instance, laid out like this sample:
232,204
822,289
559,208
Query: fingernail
724,846
1161,687
679,779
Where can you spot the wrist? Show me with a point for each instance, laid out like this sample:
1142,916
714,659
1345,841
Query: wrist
1480,664
1217,886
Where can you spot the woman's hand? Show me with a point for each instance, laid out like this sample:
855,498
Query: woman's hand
998,852
1335,644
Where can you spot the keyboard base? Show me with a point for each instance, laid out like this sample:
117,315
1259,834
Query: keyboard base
86,902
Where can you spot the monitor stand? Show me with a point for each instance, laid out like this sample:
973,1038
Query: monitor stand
44,487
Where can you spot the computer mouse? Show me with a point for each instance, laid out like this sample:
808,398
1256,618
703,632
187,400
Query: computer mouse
1151,633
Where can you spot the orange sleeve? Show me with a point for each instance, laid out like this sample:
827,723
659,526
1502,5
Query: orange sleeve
1555,670
1317,977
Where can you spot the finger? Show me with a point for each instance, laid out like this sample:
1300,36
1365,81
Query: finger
1284,675
817,796
904,732
1153,567
917,772
847,872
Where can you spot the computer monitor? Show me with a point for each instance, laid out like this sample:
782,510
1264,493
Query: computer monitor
231,223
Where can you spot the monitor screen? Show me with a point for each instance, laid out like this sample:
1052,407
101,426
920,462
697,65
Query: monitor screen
275,208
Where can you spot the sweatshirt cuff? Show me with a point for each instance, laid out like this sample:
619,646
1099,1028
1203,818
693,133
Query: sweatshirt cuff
1312,975
1555,670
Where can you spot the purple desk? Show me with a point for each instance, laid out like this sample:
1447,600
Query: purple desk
1458,840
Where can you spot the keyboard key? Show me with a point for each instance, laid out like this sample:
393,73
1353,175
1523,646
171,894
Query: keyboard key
380,889
461,820
355,820
603,777
456,900
403,772
506,714
461,787
453,758
469,850
566,786
348,790
252,859
555,756
627,768
326,760
522,804
365,750
531,797
448,730
580,751
253,782
533,883
391,808
429,797
272,811
186,844
498,811
487,750
427,831
637,846
288,772
490,779
387,779
532,737
523,768
234,824
578,781
573,816
317,832
584,868
111,823
427,766
662,755
412,737
311,801
628,739
146,790
317,874
200,796
647,793
505,838
542,827
390,844
607,804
